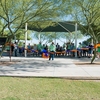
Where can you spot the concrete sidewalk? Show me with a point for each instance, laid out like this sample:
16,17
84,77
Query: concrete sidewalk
40,67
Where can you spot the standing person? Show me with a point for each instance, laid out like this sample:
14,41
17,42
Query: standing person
23,48
68,48
12,48
57,46
29,46
35,47
79,50
64,46
84,50
72,48
90,51
52,49
20,48
46,48
39,48
15,48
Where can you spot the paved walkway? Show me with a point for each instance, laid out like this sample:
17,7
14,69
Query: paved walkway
40,67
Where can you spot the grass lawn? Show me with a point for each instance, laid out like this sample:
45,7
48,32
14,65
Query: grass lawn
13,88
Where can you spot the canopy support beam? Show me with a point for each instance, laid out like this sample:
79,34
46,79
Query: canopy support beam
76,39
25,39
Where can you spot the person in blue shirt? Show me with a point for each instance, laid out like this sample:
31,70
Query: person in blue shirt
90,50
29,46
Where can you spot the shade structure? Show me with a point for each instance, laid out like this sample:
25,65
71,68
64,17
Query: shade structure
64,26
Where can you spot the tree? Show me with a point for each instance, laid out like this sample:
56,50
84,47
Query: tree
47,37
88,16
16,13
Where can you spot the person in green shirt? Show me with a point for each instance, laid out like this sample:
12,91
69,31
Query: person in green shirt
68,48
52,49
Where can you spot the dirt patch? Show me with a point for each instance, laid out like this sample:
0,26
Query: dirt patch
91,80
7,63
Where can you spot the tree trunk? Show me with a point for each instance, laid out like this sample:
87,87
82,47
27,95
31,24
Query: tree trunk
94,56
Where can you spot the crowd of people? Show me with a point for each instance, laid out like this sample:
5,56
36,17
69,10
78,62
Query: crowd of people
67,49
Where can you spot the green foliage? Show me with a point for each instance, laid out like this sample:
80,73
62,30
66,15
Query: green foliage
20,34
88,16
20,43
47,37
14,14
70,37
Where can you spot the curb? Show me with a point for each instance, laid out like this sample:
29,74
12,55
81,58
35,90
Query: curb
60,77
